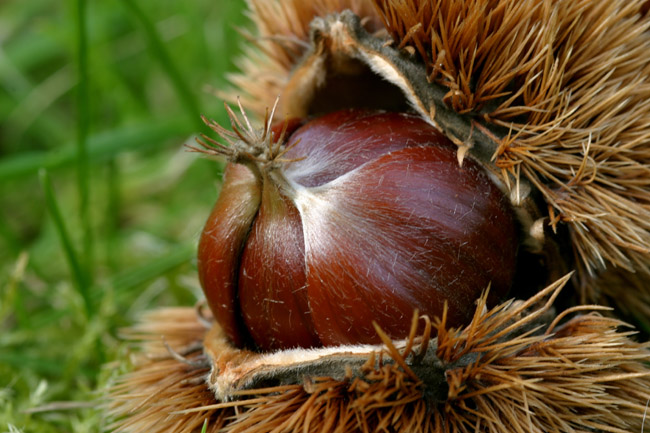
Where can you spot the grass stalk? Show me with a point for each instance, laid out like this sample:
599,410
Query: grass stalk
127,280
159,51
112,215
83,126
101,147
78,272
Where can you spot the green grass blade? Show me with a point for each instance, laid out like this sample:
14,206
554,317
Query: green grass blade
111,221
78,274
83,126
102,147
158,49
9,292
36,363
132,278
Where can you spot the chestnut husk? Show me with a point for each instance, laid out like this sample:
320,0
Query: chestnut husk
517,366
525,365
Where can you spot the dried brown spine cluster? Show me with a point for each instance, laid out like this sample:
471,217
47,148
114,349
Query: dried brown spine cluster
560,91
510,369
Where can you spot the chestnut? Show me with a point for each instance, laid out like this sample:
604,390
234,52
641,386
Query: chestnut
324,226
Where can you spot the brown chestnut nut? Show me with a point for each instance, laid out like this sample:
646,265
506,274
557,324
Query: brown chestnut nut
353,217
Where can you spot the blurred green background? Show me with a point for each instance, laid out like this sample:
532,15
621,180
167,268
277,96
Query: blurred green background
100,205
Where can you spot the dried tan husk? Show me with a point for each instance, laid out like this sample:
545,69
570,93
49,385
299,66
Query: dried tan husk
279,41
567,80
514,368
